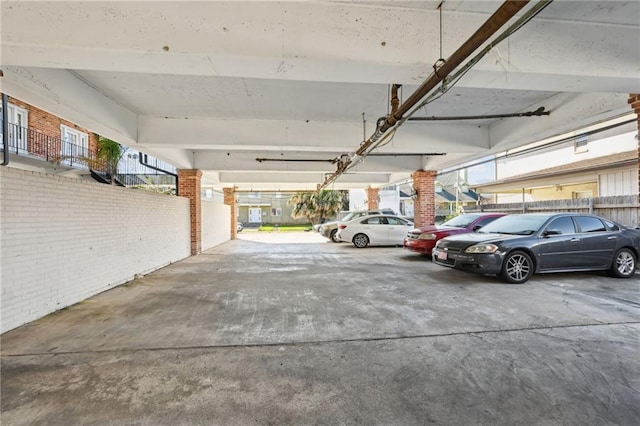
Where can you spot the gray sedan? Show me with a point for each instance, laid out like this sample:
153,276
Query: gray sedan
517,246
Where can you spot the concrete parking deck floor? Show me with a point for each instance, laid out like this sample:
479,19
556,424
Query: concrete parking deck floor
292,329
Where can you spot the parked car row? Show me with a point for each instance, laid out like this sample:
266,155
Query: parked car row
513,247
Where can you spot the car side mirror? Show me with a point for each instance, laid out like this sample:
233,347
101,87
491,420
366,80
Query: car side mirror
552,232
477,228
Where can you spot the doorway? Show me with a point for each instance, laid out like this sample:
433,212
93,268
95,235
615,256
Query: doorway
17,120
255,215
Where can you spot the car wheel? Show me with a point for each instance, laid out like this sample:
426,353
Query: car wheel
517,267
333,237
360,241
624,264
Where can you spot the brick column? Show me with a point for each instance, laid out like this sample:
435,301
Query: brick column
230,200
372,198
190,186
634,101
424,206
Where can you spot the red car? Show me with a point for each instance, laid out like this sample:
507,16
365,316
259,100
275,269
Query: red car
423,240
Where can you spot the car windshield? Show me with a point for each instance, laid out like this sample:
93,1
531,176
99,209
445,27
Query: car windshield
461,221
348,217
353,215
515,224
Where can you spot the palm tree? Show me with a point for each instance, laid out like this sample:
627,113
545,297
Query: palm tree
302,206
315,206
328,203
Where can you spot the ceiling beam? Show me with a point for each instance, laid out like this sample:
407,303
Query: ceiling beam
63,94
283,135
291,41
300,162
569,111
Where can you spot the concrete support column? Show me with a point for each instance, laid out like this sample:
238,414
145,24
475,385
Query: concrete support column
372,198
424,206
190,183
230,200
634,101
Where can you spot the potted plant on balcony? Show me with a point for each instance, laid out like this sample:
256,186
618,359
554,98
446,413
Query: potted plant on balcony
109,154
104,165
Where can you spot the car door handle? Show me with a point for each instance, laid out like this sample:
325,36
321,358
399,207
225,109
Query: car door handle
575,240
611,238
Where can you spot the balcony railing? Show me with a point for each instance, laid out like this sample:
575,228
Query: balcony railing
31,143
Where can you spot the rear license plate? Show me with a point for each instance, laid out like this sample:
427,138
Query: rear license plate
442,255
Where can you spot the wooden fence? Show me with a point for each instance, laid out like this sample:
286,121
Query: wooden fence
623,209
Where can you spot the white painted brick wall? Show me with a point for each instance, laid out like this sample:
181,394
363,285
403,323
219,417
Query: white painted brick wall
216,223
64,240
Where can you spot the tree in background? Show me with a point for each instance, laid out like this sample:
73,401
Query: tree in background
315,206
345,200
329,203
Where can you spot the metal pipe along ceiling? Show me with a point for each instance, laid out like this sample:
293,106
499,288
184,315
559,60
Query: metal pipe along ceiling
504,13
537,113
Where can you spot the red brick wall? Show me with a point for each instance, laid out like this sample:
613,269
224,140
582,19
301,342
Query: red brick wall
424,207
49,124
230,200
634,101
372,198
189,185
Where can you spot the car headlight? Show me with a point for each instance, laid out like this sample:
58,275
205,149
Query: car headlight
427,236
482,248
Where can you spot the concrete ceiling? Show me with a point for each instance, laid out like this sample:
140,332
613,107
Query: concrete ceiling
215,85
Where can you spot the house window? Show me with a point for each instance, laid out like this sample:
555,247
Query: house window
18,121
580,144
276,211
75,146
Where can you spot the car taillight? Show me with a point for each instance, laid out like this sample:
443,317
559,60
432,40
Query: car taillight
342,226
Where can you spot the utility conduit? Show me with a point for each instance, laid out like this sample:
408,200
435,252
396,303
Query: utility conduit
506,11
